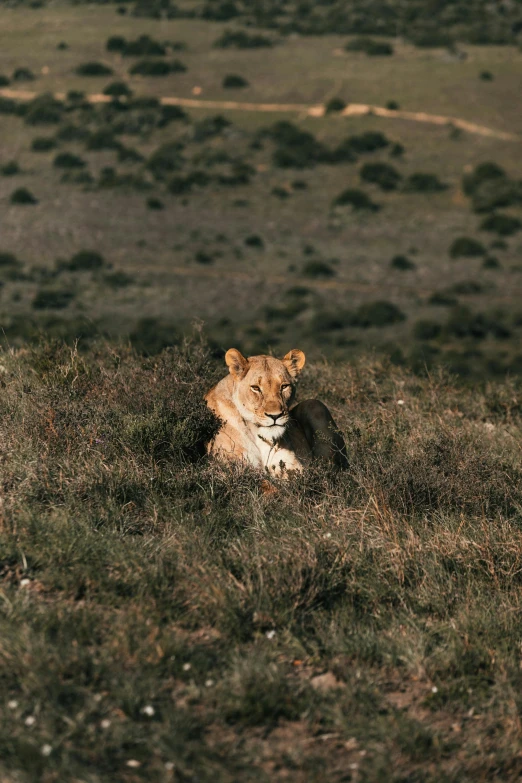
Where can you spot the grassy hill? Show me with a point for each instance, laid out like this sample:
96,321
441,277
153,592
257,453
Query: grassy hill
334,232
162,619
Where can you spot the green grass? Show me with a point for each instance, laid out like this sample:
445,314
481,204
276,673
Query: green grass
158,610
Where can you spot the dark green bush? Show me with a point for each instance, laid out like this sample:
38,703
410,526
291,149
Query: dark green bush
152,335
254,240
52,298
23,75
402,262
318,270
397,151
9,261
210,127
62,46
155,203
443,299
369,141
116,43
420,182
67,160
23,196
150,68
280,192
332,321
239,39
466,288
356,199
10,168
335,105
172,114
381,174
43,144
233,81
466,247
491,262
202,257
8,106
165,160
426,330
220,12
144,46
296,148
503,225
378,314
44,110
494,193
93,69
103,139
4,81
118,90
176,66
486,76
84,261
370,46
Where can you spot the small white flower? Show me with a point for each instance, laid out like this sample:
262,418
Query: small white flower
148,710
134,763
187,667
25,582
169,765
209,683
270,634
105,723
46,750
327,535
30,720
434,689
400,402
13,704
353,766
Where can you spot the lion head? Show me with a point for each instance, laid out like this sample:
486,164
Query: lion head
264,388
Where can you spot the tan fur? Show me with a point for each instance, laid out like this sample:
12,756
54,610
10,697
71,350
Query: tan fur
260,425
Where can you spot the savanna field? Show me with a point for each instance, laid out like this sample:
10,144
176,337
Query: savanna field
161,617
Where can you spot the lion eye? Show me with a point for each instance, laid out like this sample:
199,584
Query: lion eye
255,388
285,386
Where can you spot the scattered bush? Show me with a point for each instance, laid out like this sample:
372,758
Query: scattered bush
151,336
23,75
233,81
378,314
423,183
335,105
9,169
426,330
116,43
503,225
9,261
84,261
103,139
496,193
397,151
62,46
150,68
280,192
67,160
43,144
484,172
210,127
165,160
8,106
466,247
356,199
402,262
392,106
23,196
44,110
486,76
491,262
318,270
443,299
254,240
220,12
202,257
381,174
52,298
118,90
239,39
296,148
144,46
467,288
4,81
369,141
155,203
93,69
370,46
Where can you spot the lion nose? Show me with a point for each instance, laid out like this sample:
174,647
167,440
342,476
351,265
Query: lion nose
274,416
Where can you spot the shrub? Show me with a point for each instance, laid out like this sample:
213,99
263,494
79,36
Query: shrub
443,299
4,81
62,46
296,148
172,114
23,196
118,90
397,151
9,261
202,257
85,261
495,193
176,66
152,335
165,160
486,76
8,106
466,247
144,46
233,81
482,173
356,199
116,43
370,46
280,192
103,139
392,105
369,141
155,203
150,68
378,314
44,110
491,262
426,330
318,269
335,105
67,160
381,174
420,182
52,298
402,262
239,39
23,75
10,168
254,240
221,12
43,144
93,69
503,225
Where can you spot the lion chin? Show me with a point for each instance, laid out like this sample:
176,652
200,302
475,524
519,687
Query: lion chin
272,433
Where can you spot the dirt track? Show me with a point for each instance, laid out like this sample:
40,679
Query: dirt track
318,110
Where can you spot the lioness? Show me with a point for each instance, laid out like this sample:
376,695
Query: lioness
260,426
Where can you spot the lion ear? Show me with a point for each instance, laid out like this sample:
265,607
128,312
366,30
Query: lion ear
236,363
294,362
